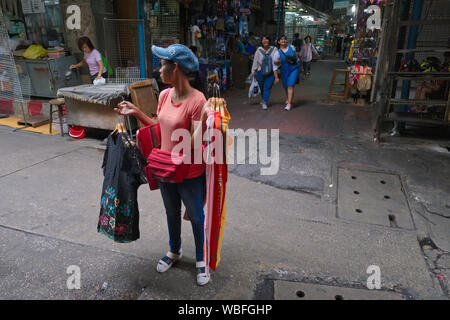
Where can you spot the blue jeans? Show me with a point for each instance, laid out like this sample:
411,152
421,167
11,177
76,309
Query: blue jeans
265,84
191,192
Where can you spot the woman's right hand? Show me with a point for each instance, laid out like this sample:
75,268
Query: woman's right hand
72,67
126,108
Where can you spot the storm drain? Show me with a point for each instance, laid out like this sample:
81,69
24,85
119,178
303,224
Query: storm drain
373,197
288,290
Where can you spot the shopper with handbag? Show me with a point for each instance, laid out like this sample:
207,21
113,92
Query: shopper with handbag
264,69
287,58
178,108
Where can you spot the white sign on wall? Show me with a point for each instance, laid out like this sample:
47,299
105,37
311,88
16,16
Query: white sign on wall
33,6
73,21
374,21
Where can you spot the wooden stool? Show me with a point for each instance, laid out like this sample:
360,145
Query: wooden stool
57,103
340,96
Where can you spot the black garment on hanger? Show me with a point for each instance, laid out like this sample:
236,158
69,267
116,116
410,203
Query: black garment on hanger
124,171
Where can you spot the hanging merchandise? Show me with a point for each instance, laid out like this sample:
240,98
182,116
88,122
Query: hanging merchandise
243,27
212,79
124,171
195,37
216,180
230,26
245,7
224,81
221,46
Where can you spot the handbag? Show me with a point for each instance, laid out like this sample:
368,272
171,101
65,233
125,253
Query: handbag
292,60
167,166
148,138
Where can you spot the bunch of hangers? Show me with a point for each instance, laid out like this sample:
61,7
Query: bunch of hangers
217,103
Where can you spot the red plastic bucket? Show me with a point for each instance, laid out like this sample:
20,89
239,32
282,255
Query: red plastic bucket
77,132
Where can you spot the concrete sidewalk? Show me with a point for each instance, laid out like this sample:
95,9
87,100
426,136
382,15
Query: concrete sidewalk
283,232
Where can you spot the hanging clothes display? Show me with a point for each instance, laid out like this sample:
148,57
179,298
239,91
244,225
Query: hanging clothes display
216,180
124,171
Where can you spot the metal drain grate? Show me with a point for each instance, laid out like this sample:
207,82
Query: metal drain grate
289,290
373,197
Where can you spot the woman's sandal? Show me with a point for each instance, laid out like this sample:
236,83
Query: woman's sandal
202,277
168,260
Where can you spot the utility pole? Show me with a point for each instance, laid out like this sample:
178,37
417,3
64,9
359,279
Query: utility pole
279,17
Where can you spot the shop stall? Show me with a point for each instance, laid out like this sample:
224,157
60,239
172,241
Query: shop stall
93,106
35,29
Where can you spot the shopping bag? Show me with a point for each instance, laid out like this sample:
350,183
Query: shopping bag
249,79
254,90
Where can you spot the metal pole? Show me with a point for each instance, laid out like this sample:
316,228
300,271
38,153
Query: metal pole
141,40
279,15
412,40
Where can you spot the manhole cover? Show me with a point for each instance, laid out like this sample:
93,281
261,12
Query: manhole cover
289,290
373,197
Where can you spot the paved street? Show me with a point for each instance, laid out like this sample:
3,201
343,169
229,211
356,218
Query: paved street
283,233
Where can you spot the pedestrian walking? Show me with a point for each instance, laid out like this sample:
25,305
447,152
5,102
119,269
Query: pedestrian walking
339,46
179,107
265,70
306,55
297,43
288,61
92,58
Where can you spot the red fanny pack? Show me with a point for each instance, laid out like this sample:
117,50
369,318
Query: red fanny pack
166,166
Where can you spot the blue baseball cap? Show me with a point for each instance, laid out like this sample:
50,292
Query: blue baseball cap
180,54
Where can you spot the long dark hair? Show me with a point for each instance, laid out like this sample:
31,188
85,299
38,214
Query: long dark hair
85,41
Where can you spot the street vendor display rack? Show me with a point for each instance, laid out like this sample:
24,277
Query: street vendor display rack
390,106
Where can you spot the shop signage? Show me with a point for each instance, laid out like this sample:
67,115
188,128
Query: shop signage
73,21
374,21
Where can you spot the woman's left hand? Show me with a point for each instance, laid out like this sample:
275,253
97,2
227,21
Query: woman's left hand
98,77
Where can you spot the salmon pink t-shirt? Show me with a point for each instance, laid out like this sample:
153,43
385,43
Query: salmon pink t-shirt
180,116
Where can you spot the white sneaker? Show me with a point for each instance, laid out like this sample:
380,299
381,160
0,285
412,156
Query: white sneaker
288,107
202,277
264,106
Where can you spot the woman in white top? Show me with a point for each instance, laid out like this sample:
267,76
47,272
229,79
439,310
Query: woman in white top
265,70
287,57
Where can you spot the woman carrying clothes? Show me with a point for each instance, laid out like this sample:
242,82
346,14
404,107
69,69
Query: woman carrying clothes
306,55
92,58
178,108
289,69
267,77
